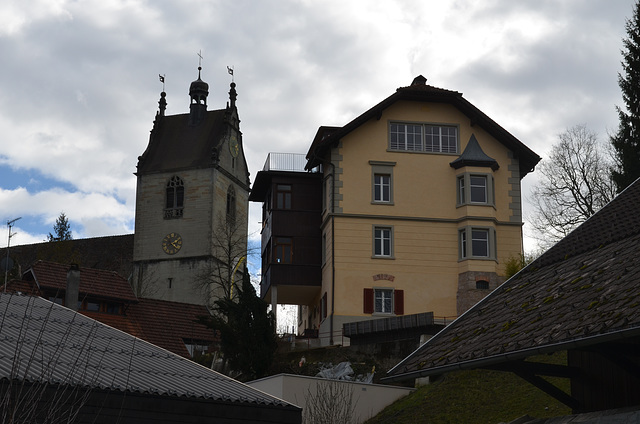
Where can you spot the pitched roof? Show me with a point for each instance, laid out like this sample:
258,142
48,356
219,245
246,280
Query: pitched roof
195,148
581,292
169,324
421,92
45,342
94,282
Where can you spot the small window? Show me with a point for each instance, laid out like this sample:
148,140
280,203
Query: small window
93,306
423,138
382,181
482,285
283,196
381,188
174,199
477,243
383,300
476,189
196,347
231,205
382,242
283,250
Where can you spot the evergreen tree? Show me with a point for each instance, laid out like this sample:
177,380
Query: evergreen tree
62,229
626,141
247,331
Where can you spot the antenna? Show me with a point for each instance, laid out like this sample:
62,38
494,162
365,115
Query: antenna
6,265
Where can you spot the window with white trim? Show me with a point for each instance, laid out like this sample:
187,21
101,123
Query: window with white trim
382,188
382,242
477,243
383,301
475,189
412,137
382,182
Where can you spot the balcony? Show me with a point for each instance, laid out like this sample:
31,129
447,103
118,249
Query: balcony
291,162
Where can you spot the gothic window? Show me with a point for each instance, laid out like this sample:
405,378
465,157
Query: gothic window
174,198
231,204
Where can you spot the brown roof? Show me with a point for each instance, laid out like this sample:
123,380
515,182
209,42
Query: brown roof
582,292
94,282
168,324
194,149
420,91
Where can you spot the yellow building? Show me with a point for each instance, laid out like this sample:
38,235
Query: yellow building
421,209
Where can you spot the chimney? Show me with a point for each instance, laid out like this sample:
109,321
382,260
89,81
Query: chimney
73,287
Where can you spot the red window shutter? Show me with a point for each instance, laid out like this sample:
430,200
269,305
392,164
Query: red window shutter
368,301
398,302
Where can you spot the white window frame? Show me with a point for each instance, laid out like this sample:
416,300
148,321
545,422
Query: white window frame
379,170
425,138
380,295
382,234
464,189
466,240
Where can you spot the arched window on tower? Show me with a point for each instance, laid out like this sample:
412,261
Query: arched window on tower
231,205
174,198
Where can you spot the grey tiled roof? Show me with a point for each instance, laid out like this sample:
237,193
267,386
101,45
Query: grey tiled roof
41,341
583,291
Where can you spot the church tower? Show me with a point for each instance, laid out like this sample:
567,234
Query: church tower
191,203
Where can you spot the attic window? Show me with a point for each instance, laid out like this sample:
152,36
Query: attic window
427,138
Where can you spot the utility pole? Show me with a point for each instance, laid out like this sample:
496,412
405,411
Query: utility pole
6,268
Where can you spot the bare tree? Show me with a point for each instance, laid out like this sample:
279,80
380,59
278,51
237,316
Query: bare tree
575,182
332,402
223,275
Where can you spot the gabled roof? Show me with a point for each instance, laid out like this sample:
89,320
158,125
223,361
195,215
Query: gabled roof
582,292
45,342
421,92
175,145
93,282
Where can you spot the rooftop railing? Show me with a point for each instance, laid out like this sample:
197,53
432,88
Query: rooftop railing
292,162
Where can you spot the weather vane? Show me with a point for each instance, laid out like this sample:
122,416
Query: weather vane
200,58
162,80
230,70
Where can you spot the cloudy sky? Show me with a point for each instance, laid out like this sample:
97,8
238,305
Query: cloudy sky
79,82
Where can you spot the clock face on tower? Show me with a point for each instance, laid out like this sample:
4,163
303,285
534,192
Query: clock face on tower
171,243
234,148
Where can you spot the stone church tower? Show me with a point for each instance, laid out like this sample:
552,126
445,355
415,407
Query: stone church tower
191,203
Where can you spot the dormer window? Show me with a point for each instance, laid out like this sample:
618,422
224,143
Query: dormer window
174,203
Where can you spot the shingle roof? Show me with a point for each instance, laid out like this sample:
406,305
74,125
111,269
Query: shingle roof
581,292
42,341
95,282
168,324
420,91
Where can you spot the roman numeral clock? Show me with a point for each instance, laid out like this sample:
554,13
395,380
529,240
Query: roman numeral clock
172,243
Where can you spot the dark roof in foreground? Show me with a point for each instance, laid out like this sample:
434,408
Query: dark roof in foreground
421,92
45,342
583,291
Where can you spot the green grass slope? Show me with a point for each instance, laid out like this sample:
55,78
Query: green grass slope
478,397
